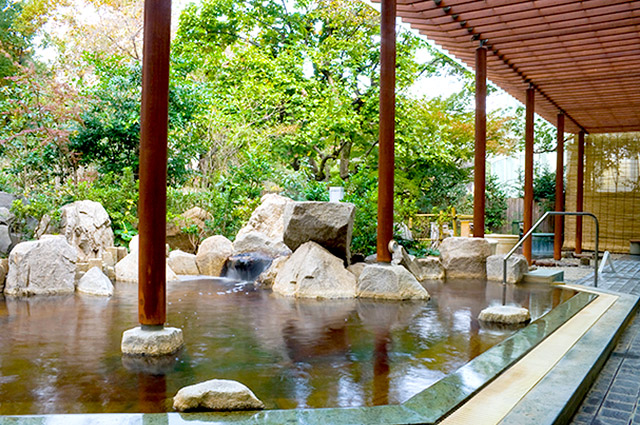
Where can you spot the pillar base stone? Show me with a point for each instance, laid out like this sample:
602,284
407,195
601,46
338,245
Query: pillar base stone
141,342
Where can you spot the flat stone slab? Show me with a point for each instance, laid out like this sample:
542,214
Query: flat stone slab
140,342
216,394
544,276
506,314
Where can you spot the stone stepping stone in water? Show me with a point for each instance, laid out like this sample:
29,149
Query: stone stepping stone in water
216,394
506,314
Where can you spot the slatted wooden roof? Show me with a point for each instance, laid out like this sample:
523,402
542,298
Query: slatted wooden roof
582,57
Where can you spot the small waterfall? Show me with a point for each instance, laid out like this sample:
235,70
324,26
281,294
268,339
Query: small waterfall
246,267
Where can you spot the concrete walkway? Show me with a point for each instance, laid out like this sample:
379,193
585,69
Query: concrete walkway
614,397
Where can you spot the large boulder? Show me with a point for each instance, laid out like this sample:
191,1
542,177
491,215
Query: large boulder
430,269
87,226
177,238
216,394
257,242
313,272
94,282
183,263
264,231
517,266
329,224
389,281
465,258
212,254
43,267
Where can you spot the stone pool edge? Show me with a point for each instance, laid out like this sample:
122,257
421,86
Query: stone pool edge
444,396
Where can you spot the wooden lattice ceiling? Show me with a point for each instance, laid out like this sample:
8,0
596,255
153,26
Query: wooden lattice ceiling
583,57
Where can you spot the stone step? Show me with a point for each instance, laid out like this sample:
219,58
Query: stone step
544,276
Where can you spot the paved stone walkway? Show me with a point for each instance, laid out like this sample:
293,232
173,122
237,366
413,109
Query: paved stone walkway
614,397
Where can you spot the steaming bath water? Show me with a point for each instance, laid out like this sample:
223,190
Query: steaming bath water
62,354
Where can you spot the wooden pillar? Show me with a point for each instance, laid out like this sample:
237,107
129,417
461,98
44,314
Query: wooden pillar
479,170
580,191
528,171
386,157
558,225
153,163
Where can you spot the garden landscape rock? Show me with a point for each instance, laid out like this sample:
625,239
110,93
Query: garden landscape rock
264,231
464,258
268,277
329,224
430,268
313,272
6,220
127,268
87,226
389,281
216,394
177,238
94,282
43,267
183,263
212,254
517,266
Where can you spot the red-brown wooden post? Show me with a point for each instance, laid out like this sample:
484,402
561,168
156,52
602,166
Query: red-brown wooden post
558,225
479,170
153,163
528,171
386,158
580,192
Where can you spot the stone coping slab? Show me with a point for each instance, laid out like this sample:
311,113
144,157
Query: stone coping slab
541,404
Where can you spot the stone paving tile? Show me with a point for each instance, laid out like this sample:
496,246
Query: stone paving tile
614,397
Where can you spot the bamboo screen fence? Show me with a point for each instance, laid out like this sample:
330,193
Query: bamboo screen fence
611,191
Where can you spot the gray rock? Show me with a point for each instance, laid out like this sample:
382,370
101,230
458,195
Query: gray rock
517,266
4,269
313,272
464,258
216,394
183,263
5,239
356,269
212,254
504,314
267,218
43,267
87,226
430,269
94,282
177,238
329,224
389,281
141,342
268,277
6,200
127,269
258,242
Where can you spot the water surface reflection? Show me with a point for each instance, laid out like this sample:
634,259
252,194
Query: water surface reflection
62,354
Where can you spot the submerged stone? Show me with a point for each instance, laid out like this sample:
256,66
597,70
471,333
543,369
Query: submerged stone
142,342
216,394
389,281
506,314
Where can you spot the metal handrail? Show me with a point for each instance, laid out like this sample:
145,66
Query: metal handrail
530,232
